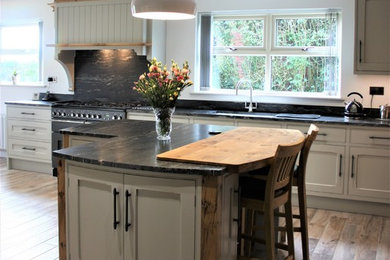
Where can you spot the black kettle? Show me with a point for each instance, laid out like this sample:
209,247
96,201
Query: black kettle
354,108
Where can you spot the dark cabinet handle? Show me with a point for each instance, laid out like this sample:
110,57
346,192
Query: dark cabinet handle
28,129
115,193
341,165
28,148
322,134
128,224
360,51
379,137
352,169
27,113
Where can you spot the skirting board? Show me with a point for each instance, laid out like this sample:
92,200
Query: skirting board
25,165
352,206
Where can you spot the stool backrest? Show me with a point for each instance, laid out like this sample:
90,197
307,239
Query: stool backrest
310,137
281,169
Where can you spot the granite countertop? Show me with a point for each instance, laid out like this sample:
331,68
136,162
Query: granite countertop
289,117
30,103
135,146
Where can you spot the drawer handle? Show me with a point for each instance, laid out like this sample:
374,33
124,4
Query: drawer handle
352,167
379,137
28,129
27,113
322,134
360,51
341,165
29,149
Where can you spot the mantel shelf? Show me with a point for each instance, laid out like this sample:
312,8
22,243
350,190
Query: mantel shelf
110,44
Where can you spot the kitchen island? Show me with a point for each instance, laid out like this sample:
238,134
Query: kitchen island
123,203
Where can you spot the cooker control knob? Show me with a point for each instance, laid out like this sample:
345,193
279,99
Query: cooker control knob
77,115
113,117
119,118
63,114
83,115
98,116
72,114
88,115
54,113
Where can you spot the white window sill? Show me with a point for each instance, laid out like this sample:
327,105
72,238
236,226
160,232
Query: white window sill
32,85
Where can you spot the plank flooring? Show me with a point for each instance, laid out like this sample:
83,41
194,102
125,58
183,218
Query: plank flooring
29,230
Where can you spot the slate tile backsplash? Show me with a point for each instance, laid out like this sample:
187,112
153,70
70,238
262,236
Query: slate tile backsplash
108,75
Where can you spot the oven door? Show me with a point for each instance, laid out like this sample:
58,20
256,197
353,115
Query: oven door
56,137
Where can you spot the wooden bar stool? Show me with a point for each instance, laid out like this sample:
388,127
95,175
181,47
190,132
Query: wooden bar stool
265,193
299,180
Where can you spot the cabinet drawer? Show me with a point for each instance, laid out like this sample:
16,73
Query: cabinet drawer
39,151
29,129
29,112
326,133
371,136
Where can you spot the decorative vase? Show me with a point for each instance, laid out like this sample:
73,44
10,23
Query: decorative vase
163,122
14,79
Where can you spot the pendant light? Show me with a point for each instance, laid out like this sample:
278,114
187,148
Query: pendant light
163,9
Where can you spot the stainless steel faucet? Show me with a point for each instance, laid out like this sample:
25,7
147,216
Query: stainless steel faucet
239,83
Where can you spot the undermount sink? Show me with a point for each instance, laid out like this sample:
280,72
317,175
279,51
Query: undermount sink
300,116
244,114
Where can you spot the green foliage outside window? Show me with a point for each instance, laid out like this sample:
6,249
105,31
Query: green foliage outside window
238,32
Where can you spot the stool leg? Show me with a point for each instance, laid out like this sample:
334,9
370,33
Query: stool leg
303,221
269,233
290,228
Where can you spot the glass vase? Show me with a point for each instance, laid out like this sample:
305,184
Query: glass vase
163,122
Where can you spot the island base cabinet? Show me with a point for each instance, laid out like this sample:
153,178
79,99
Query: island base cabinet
370,173
120,216
159,219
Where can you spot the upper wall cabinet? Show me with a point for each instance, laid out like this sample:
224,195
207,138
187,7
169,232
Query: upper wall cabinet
372,37
104,23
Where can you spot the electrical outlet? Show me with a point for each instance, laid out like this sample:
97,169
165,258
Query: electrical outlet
52,79
377,91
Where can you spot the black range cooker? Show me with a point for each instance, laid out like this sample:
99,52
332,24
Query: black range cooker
75,113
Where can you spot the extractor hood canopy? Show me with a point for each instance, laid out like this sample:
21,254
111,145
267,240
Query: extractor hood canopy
163,9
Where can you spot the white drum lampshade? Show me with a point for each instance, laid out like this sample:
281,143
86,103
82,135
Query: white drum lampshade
163,9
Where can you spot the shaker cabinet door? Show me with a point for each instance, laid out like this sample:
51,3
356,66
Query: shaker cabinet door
94,203
325,169
370,173
160,218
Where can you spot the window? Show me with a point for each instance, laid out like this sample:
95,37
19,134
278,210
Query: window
289,54
21,52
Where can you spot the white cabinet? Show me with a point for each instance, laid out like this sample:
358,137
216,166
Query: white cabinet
161,215
120,216
325,169
29,137
372,40
370,164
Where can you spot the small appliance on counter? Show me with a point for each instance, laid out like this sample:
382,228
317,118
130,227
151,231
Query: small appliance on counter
354,109
384,111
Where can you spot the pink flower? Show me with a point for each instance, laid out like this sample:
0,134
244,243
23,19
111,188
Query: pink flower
142,77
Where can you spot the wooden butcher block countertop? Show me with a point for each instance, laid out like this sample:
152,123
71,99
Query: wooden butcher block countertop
240,150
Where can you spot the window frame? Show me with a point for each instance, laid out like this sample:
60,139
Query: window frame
270,49
39,51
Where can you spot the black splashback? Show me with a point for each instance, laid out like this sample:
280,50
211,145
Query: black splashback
108,75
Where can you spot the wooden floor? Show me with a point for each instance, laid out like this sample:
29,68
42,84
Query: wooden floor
28,215
28,224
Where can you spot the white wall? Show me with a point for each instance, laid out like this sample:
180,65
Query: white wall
180,44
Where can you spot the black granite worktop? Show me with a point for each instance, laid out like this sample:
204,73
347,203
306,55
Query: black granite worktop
284,116
135,146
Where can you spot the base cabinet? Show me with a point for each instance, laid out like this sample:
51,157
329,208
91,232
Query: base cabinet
370,173
117,216
325,169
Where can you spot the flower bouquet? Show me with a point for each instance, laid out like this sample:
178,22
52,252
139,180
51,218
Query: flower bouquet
162,92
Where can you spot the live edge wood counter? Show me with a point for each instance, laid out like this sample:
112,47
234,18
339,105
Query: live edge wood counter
132,145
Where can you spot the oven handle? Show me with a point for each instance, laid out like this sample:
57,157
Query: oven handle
71,121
